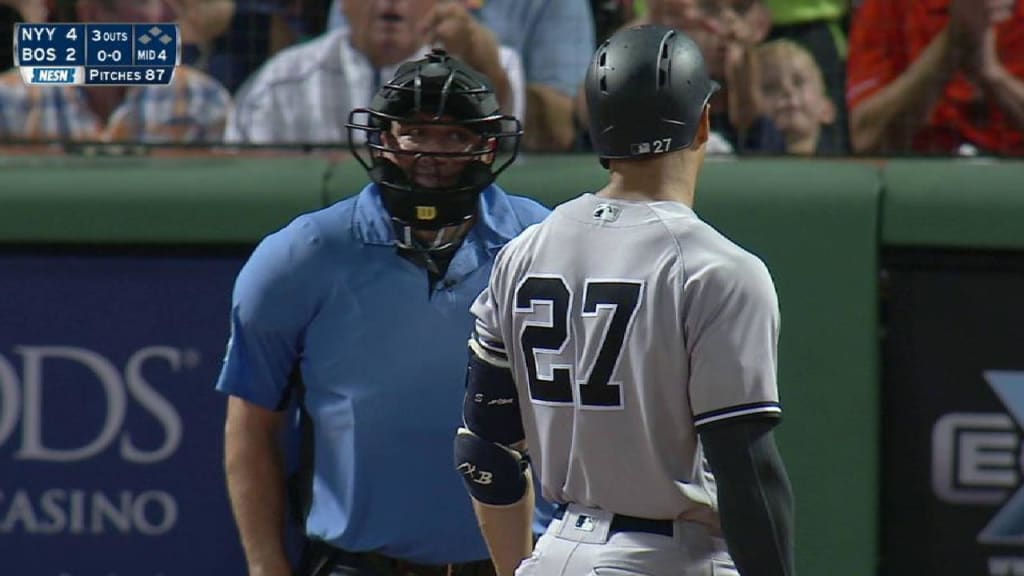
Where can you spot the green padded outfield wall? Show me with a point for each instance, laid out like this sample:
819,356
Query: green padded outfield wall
814,223
167,201
975,204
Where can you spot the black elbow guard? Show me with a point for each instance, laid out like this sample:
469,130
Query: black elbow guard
494,474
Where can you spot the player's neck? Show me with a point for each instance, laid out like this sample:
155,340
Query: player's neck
671,177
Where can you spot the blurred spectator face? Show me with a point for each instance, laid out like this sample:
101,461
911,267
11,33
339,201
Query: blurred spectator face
685,15
418,142
712,24
388,30
793,90
123,11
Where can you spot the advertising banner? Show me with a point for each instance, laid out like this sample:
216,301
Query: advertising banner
953,411
110,428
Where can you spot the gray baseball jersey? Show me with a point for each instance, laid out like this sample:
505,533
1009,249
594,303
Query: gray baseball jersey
628,325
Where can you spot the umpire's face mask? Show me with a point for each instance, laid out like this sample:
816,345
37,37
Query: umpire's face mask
433,154
431,173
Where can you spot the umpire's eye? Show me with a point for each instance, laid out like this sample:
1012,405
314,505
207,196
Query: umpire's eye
458,136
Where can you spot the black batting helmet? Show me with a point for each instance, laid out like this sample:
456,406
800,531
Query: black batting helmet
437,89
646,89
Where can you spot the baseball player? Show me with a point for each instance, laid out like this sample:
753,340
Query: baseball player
632,349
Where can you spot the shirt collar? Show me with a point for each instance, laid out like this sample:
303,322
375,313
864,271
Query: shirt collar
497,221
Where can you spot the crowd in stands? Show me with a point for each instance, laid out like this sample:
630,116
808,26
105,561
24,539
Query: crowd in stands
802,77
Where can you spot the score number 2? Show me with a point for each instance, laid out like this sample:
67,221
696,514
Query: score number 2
551,338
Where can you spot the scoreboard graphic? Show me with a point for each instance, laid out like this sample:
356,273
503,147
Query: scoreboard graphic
97,54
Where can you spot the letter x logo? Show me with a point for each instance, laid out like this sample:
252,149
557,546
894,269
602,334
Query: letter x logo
1007,526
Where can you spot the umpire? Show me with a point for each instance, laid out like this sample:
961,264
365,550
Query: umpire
362,310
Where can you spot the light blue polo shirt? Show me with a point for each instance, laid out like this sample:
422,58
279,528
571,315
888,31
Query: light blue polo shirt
383,360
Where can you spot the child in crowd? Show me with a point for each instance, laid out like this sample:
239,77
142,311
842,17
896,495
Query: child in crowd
794,99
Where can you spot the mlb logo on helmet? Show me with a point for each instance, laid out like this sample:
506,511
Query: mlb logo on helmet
641,148
426,212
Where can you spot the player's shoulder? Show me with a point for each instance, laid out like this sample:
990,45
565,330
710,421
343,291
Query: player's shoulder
526,238
517,253
526,210
507,215
542,220
713,259
709,256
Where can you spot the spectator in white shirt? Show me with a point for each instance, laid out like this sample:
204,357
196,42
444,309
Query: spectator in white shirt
304,94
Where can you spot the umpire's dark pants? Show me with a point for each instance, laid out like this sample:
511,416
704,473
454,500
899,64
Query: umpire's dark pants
322,559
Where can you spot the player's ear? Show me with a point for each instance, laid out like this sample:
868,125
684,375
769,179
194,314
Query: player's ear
704,130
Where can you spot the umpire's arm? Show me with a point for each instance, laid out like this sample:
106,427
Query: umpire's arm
755,498
254,463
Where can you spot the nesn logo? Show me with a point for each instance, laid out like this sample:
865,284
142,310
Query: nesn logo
53,75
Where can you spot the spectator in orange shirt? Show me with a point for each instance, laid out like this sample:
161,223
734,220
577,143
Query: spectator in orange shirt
937,76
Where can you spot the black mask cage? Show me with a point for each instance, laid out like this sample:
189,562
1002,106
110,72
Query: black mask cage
436,90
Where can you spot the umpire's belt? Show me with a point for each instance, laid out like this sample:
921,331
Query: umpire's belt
623,523
321,559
